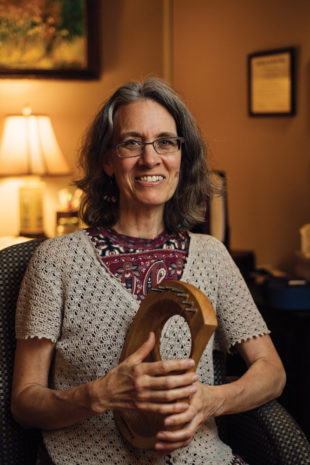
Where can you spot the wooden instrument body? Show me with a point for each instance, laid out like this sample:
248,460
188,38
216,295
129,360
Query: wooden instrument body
164,301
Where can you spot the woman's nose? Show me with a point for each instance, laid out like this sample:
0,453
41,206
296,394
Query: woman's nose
149,156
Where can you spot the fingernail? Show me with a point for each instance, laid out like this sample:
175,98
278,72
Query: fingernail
190,363
159,446
195,377
160,436
184,406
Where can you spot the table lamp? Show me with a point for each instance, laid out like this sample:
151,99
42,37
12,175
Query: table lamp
29,147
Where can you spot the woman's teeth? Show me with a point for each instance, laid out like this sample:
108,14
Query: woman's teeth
151,178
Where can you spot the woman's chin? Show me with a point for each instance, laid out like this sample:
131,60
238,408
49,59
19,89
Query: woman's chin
143,202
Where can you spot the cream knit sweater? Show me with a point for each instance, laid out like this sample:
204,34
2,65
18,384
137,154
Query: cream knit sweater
69,297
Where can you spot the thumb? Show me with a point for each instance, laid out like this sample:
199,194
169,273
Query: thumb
144,350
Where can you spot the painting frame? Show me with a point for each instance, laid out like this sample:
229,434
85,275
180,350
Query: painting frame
271,83
91,69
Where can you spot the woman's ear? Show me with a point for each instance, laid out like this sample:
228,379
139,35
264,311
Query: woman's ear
107,166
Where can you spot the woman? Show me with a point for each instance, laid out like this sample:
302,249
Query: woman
145,186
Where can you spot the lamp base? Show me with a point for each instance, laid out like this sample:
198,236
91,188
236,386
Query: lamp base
31,209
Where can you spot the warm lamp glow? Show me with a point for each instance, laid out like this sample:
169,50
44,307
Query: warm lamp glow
29,146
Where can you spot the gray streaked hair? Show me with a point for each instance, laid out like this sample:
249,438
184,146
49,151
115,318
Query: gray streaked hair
99,206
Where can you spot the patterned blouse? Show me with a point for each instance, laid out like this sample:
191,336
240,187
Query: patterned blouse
140,264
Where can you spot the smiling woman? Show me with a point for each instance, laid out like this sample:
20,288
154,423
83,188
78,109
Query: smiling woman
145,185
148,179
102,144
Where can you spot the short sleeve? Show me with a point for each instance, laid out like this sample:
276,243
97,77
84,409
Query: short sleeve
238,317
40,301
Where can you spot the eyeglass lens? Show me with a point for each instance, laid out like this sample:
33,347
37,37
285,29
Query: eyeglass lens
162,146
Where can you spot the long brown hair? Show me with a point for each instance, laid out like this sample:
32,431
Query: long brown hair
100,201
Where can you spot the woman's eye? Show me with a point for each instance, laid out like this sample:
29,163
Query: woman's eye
131,143
166,142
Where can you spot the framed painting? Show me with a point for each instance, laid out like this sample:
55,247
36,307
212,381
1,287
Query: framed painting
271,83
49,38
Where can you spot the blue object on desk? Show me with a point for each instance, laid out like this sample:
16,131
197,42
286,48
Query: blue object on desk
287,294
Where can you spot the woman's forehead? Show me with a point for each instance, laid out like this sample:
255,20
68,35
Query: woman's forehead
143,115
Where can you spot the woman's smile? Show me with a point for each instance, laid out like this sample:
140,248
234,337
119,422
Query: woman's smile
150,179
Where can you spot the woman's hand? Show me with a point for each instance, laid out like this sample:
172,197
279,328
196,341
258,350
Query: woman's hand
153,387
203,404
134,384
264,380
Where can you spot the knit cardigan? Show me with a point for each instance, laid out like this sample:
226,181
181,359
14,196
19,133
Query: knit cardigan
70,297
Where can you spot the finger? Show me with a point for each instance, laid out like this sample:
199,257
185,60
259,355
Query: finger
177,437
165,367
188,416
179,418
164,448
167,395
164,383
140,354
162,408
194,414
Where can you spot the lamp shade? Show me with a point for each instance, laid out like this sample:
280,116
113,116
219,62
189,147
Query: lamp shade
29,147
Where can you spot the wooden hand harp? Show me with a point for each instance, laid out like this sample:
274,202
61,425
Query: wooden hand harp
167,299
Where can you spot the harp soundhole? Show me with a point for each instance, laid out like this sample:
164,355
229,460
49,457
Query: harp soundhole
176,340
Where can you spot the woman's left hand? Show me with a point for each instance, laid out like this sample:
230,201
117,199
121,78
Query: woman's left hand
203,404
264,380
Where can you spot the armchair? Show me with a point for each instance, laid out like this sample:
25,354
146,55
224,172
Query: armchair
267,435
18,446
264,436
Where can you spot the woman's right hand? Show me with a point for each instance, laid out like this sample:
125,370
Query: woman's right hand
133,384
146,386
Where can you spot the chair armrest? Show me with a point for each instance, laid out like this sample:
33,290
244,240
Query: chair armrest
268,435
19,445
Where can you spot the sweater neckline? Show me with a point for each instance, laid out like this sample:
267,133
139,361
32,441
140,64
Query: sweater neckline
191,258
131,241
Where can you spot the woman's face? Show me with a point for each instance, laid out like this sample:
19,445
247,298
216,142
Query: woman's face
150,180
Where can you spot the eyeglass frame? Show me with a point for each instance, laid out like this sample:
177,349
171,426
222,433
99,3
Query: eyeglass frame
180,141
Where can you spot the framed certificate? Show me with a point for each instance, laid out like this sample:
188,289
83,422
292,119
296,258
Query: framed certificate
271,84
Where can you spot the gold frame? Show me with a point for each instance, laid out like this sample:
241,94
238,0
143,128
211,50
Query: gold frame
271,88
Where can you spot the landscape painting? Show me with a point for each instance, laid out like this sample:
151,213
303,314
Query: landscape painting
44,38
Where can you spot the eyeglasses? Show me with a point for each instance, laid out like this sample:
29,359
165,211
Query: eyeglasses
135,148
